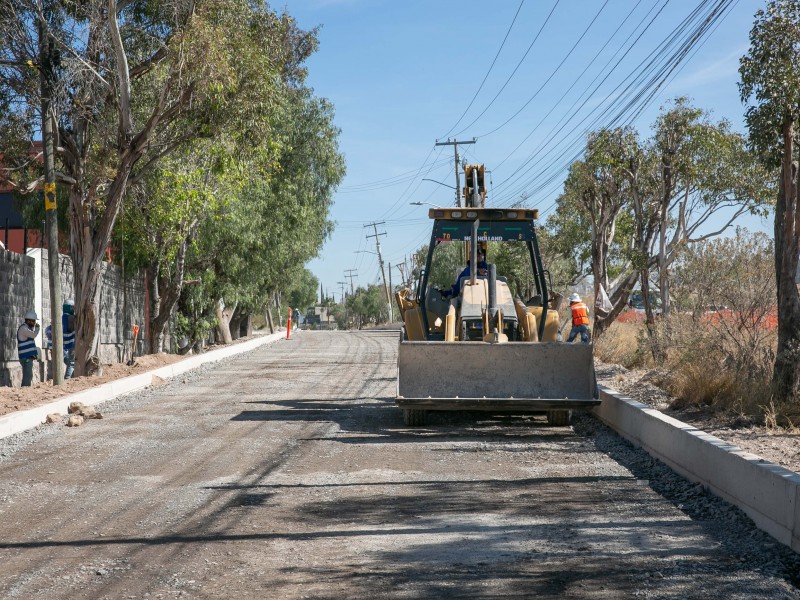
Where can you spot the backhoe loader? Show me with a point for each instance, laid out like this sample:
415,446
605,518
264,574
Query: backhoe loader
480,347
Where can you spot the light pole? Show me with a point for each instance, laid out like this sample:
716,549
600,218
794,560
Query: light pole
440,183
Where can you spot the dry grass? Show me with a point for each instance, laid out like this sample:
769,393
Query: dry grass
726,371
620,344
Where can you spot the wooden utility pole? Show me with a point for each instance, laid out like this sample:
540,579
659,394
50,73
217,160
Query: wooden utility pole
47,59
454,144
402,268
349,274
380,262
391,287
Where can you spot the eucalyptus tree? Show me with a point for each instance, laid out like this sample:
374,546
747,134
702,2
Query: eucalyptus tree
770,86
596,196
263,231
632,206
135,82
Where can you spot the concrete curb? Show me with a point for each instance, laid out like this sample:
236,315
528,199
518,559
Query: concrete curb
769,494
28,419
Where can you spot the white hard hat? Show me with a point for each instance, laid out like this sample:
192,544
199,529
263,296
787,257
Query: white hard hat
69,301
575,297
31,316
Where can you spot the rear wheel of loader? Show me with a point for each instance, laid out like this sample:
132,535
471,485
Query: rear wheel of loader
415,416
559,418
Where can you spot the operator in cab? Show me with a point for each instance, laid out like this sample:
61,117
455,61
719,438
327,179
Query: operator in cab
483,270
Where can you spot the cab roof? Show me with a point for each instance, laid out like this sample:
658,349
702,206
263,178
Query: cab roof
483,214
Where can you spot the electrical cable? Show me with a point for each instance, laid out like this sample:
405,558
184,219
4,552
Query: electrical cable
597,55
510,77
541,87
640,84
485,77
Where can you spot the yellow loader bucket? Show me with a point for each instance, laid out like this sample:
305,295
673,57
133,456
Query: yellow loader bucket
518,376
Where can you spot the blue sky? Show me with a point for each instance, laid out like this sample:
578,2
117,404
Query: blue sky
401,74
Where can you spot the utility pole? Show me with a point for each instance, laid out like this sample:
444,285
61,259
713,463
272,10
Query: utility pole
380,262
47,60
349,274
402,268
454,144
344,304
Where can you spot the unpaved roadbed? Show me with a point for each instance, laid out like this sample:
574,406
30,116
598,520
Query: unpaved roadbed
287,473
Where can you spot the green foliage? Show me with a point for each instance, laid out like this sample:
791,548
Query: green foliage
770,74
302,289
446,263
367,306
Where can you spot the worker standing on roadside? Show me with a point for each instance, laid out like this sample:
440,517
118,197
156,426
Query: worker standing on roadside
297,318
68,327
26,346
580,319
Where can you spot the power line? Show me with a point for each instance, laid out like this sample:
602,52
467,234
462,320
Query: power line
649,78
485,77
384,183
510,77
541,87
574,83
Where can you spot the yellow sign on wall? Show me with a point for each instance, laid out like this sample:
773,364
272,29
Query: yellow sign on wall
49,196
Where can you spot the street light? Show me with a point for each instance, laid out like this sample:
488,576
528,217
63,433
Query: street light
440,183
364,251
425,203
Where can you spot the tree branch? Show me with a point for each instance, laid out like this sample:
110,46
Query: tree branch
126,120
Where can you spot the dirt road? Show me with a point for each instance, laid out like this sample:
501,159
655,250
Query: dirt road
287,473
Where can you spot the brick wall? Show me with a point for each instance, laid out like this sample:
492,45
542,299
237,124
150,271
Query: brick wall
122,303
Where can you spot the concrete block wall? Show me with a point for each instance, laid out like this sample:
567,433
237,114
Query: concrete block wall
17,276
122,303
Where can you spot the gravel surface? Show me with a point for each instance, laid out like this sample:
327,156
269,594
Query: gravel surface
287,473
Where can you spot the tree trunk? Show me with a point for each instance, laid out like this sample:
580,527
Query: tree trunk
619,300
163,304
786,377
235,324
223,323
89,238
156,336
268,316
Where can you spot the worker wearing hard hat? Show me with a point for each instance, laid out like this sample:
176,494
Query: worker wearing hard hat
580,319
26,346
68,329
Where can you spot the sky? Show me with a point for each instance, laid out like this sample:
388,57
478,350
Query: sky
526,79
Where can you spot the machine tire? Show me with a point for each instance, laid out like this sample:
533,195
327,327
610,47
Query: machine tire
559,418
415,416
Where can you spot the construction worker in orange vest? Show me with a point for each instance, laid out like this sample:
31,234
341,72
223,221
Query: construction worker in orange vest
580,319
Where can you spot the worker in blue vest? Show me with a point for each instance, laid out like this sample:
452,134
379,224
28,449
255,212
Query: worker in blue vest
26,346
68,327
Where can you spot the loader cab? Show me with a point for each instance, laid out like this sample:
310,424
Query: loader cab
462,315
